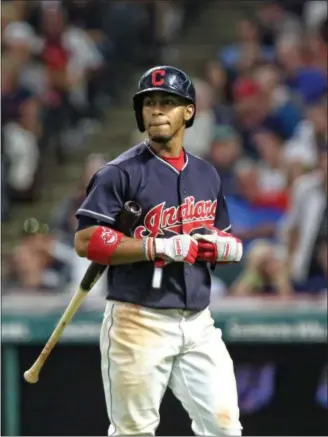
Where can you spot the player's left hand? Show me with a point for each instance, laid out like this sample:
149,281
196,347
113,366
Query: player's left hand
218,247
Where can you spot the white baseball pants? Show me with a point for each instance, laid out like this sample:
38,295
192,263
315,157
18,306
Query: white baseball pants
144,351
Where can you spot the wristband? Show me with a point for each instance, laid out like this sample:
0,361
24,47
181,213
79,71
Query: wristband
103,244
148,248
151,249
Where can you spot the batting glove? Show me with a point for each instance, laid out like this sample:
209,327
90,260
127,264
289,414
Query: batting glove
180,248
218,247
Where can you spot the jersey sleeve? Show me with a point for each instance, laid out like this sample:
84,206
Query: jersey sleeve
222,219
106,194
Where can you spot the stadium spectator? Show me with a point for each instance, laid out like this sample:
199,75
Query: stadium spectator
269,146
21,148
13,94
40,263
306,82
270,79
265,272
217,78
5,190
304,227
311,134
225,150
87,15
168,22
298,161
249,218
274,20
69,51
198,137
314,12
241,56
255,108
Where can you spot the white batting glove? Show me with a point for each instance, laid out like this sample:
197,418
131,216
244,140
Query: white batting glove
180,248
218,247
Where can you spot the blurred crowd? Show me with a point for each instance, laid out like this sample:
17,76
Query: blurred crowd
61,71
51,80
262,108
64,64
261,121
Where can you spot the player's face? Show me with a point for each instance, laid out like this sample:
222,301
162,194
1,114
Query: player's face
164,115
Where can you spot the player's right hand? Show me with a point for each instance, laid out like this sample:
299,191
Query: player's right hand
218,247
180,248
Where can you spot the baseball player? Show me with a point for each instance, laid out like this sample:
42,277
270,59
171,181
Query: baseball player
154,337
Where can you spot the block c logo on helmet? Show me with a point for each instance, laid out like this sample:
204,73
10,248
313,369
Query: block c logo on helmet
157,77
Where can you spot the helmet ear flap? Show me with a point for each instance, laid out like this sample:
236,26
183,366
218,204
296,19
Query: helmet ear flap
140,122
137,104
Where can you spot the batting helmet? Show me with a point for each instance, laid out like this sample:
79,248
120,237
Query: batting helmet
167,79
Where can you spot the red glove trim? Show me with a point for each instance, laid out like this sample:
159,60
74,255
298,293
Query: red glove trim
207,252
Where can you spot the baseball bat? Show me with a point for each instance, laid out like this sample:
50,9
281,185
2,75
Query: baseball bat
125,223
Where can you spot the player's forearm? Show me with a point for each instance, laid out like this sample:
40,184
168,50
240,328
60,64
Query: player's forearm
106,246
130,250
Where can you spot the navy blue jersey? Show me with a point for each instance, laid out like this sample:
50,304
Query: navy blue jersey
171,201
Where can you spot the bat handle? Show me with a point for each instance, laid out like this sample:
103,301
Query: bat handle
158,274
32,374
